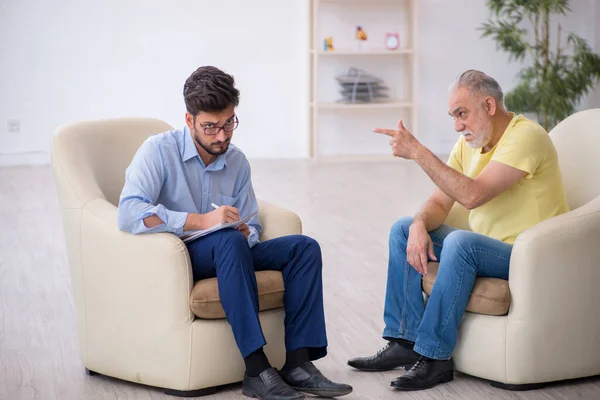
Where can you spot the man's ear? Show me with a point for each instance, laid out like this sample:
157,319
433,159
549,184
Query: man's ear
189,120
490,105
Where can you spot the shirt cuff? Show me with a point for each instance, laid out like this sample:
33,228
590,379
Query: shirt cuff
253,237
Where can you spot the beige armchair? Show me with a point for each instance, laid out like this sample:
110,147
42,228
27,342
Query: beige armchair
132,292
550,327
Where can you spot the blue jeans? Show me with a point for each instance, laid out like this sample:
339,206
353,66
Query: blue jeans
463,256
225,254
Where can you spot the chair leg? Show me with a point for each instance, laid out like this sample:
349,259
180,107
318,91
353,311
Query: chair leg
523,387
191,393
90,373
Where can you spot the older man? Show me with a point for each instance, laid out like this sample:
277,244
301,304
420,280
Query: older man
504,169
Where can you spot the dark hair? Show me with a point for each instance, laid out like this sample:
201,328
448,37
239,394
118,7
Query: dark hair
211,90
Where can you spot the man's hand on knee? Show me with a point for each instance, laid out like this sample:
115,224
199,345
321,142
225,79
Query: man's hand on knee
244,229
418,247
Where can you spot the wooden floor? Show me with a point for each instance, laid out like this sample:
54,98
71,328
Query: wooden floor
347,208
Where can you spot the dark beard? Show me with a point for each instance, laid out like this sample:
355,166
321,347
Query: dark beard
207,148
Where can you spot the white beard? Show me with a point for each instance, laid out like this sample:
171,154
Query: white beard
479,141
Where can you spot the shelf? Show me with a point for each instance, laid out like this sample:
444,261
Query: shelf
364,106
382,52
330,117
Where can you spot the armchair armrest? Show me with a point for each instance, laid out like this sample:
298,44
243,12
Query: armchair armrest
554,277
143,272
277,221
557,257
136,296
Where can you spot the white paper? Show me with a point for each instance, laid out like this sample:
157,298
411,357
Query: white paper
196,234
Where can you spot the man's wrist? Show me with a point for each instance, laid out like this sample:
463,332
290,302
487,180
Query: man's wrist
418,224
195,222
420,153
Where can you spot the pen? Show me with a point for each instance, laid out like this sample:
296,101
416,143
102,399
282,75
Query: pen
214,205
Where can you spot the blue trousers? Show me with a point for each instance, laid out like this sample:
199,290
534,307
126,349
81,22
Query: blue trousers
225,254
463,256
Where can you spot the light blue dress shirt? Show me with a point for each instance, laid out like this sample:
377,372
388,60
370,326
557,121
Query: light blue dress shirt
168,178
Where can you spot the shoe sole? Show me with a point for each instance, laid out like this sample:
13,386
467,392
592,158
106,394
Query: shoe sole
250,394
253,395
324,392
406,368
447,377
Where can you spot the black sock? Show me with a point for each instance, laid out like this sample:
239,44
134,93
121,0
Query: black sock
256,363
407,344
296,358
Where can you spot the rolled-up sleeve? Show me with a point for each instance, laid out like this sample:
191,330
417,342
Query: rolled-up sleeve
247,203
143,182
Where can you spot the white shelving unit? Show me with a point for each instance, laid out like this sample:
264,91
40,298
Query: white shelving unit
344,130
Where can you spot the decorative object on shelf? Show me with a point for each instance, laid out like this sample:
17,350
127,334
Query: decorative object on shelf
392,41
359,87
360,33
328,44
361,36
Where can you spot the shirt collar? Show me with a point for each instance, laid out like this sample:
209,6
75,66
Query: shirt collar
189,151
513,121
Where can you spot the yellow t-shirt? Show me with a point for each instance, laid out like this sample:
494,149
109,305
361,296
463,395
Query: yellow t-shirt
540,195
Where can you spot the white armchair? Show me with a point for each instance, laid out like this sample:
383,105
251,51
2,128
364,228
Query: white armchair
132,292
551,331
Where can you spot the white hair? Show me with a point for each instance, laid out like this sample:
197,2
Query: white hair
477,82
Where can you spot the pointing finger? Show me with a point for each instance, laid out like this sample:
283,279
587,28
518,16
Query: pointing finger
388,132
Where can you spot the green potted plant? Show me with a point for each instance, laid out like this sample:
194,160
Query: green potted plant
557,78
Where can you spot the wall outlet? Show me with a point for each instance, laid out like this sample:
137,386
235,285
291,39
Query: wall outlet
13,125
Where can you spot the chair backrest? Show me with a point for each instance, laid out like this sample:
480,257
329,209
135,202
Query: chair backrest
576,140
90,158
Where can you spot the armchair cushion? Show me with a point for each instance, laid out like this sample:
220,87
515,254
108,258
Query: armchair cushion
490,296
206,304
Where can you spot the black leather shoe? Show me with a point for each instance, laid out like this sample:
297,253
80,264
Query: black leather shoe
309,379
425,374
392,356
268,386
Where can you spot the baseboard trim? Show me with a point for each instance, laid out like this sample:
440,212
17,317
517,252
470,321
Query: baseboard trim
24,158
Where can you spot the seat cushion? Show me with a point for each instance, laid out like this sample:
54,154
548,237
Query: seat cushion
206,303
490,296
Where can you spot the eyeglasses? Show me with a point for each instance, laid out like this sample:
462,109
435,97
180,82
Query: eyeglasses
228,127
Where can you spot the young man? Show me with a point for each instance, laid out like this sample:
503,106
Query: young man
504,168
170,186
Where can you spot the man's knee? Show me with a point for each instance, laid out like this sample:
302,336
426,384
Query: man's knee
309,247
310,244
399,231
458,240
231,239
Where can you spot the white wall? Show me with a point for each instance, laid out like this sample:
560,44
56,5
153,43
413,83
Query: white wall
69,60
